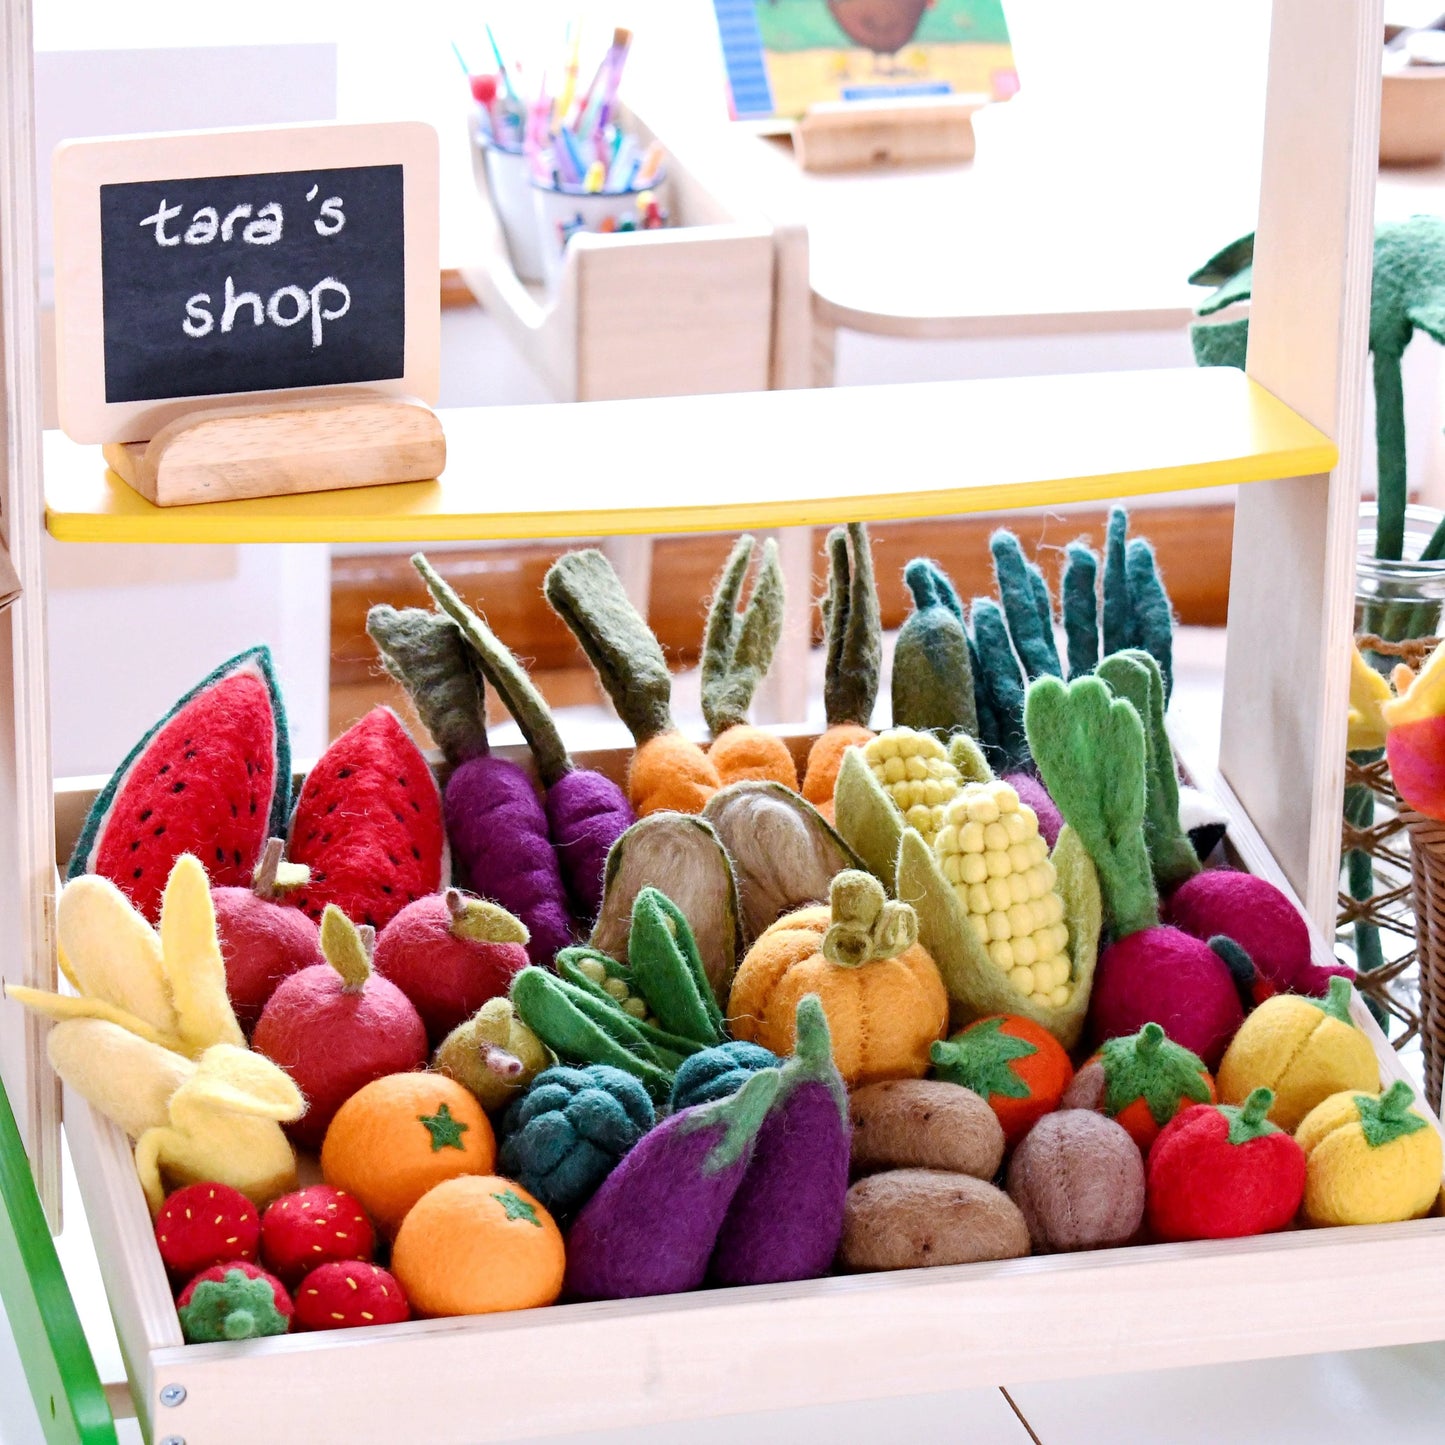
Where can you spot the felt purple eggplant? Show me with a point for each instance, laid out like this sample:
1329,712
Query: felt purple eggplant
786,1218
494,818
586,812
650,1229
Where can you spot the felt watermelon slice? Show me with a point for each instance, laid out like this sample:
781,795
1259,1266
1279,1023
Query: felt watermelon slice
212,778
368,824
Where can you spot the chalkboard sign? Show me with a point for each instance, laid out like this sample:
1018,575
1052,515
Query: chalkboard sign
218,281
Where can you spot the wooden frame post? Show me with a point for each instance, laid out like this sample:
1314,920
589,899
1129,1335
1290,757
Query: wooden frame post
1291,618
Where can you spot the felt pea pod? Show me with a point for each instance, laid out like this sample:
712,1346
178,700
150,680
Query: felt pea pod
854,655
737,651
494,819
664,962
933,677
668,772
1134,675
586,812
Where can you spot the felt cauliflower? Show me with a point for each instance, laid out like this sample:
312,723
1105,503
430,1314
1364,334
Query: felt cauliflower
990,850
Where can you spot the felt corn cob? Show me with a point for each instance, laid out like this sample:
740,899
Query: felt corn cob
850,678
737,650
917,774
990,850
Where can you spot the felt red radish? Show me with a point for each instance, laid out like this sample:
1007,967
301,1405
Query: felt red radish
262,939
368,824
348,1295
586,811
233,1301
1261,920
212,778
494,817
203,1225
449,955
1221,1172
336,1026
311,1227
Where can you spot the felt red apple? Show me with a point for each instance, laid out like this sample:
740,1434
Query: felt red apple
1261,920
1163,975
262,939
1221,1172
336,1026
450,954
206,1224
314,1226
347,1295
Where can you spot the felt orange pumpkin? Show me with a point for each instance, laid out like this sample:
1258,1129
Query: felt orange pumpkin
882,993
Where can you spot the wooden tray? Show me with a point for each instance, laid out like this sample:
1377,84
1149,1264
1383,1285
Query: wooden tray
638,1362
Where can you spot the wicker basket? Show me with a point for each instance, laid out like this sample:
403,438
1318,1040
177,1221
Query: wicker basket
1427,859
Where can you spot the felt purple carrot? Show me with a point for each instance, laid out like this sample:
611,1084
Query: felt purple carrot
651,1227
786,1219
494,819
586,812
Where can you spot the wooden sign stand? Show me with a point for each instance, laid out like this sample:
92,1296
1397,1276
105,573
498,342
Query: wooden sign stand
221,454
842,135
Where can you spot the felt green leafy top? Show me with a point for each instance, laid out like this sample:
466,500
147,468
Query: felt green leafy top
347,948
933,669
981,1058
515,1207
587,594
428,656
812,1057
853,629
1336,1002
489,655
1389,1117
1250,1120
234,1307
738,646
445,1130
1150,1066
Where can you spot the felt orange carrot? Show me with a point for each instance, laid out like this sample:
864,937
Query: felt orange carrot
855,643
737,650
668,772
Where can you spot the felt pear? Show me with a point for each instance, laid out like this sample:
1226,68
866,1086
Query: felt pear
493,1054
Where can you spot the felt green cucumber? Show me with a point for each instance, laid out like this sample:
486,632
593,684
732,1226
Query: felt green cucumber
737,651
1134,676
933,681
212,778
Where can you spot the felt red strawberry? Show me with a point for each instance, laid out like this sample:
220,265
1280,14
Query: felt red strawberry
347,1294
206,1224
450,954
233,1301
1221,1172
312,1227
262,939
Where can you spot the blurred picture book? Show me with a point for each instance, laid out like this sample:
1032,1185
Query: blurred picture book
783,56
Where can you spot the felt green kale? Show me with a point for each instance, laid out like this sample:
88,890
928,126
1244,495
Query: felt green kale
933,683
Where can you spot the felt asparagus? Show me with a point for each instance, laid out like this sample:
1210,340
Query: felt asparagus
652,1226
737,651
497,827
586,812
668,772
933,684
850,678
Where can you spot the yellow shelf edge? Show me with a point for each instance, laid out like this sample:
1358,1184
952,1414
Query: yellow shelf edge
995,429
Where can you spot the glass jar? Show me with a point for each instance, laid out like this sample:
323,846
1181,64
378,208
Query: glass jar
1400,600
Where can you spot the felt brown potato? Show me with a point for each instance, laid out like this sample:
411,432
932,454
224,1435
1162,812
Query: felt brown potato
924,1124
910,1218
1078,1179
783,851
682,858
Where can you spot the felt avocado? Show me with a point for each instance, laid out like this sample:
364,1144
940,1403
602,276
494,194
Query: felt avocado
1369,1159
1304,1049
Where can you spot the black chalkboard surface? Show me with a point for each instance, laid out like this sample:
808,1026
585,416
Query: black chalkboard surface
253,282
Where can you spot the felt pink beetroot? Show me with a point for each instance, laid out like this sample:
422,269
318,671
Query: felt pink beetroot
586,812
262,939
1093,750
652,1226
1261,920
494,818
449,955
336,1026
1033,794
786,1218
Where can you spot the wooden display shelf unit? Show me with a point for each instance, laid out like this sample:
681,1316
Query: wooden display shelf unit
646,1361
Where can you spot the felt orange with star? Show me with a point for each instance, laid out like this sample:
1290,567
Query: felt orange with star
402,1135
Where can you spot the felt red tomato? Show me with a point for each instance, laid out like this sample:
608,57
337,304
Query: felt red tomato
1221,1172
